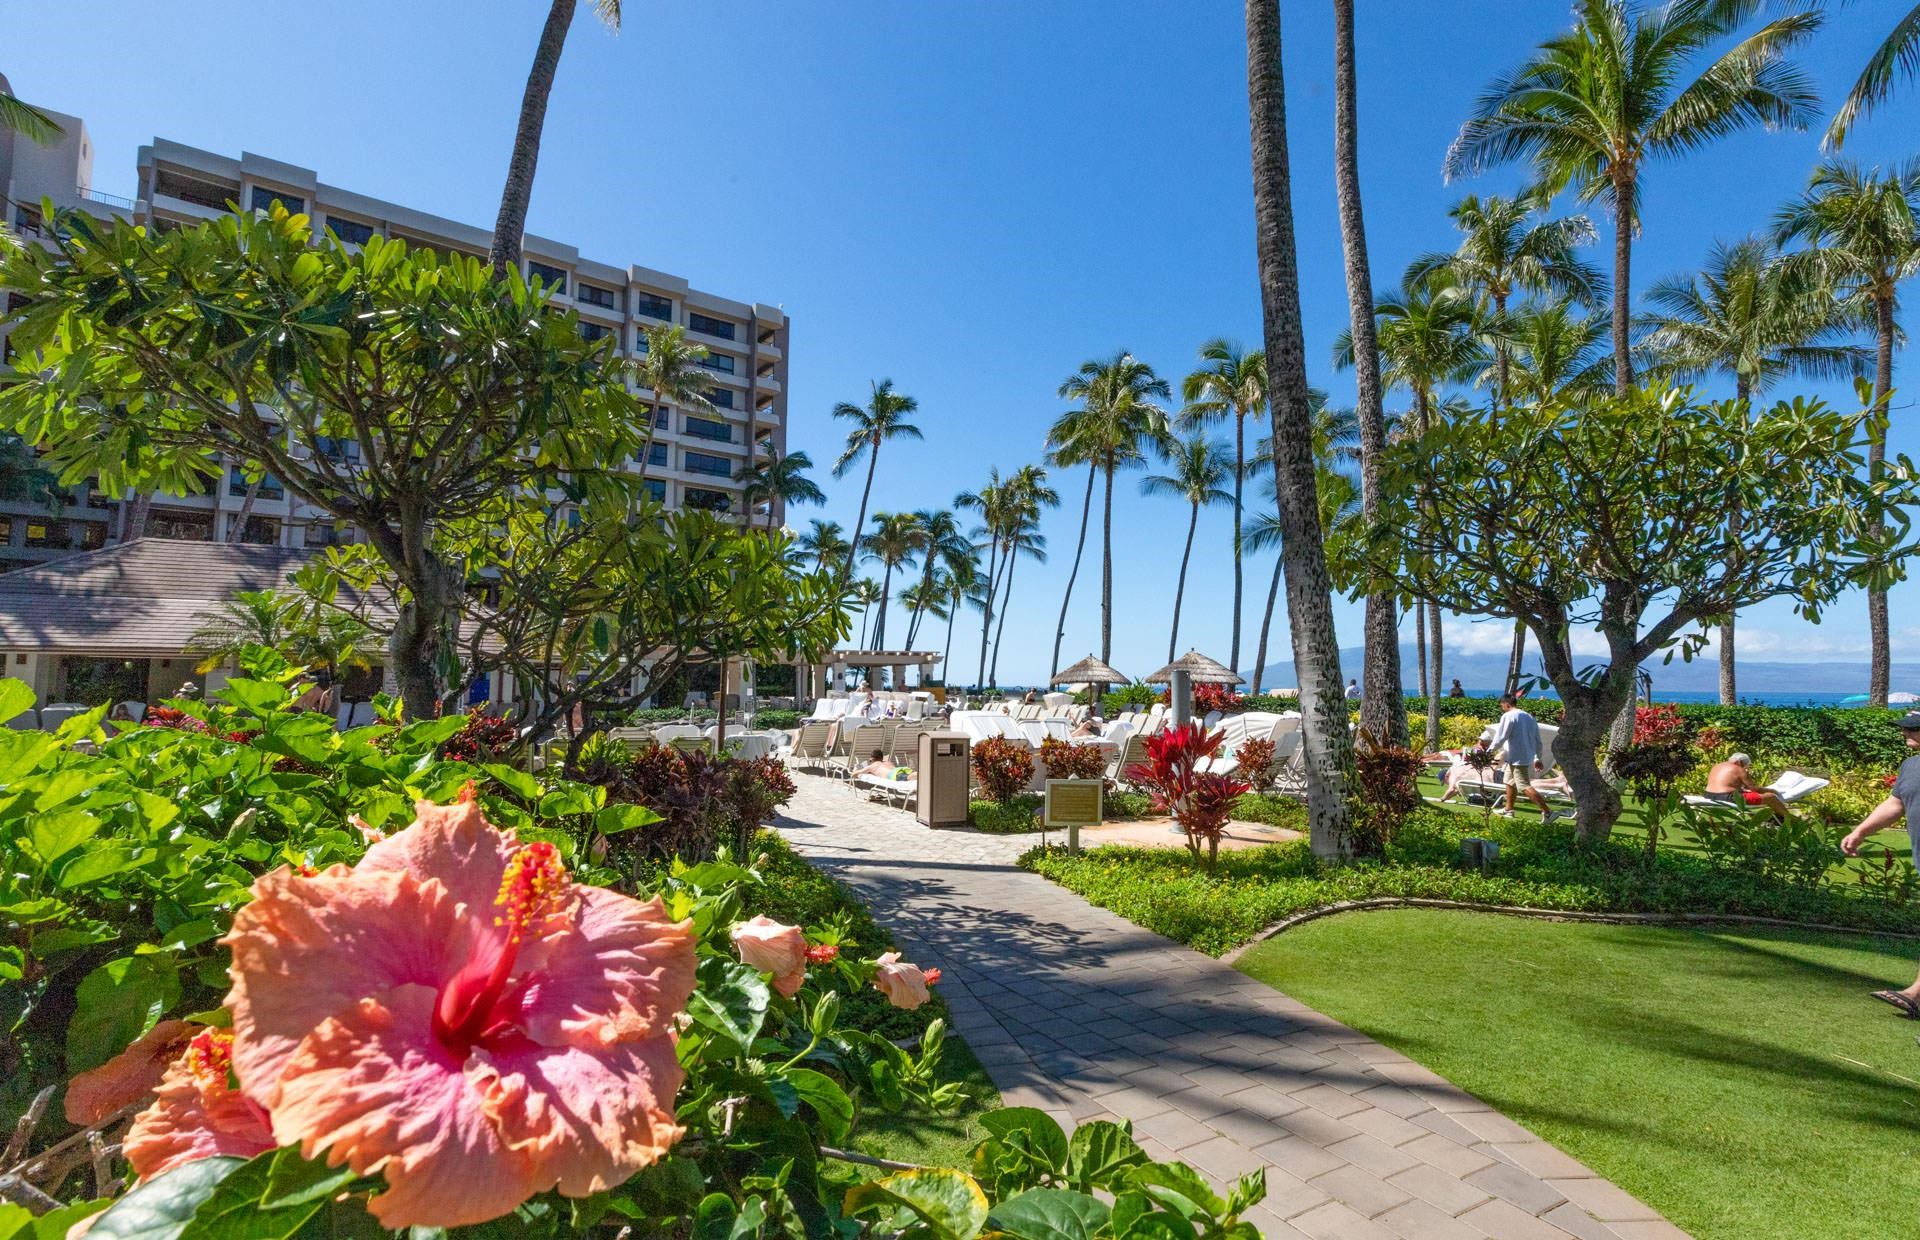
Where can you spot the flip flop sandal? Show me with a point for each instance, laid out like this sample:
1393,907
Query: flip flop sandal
1908,1008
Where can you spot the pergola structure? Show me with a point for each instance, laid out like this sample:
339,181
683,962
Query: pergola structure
815,679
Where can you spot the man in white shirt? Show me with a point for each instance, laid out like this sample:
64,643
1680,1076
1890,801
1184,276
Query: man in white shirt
1517,739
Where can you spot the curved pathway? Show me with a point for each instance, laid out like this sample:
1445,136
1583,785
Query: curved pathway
1083,1014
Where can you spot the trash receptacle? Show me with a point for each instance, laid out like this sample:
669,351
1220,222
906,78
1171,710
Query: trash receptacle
943,778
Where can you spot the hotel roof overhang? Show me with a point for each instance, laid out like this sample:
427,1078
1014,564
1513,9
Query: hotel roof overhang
878,658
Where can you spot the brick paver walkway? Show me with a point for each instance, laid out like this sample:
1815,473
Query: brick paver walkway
1088,1016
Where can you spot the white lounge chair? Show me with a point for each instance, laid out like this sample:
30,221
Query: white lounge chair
810,745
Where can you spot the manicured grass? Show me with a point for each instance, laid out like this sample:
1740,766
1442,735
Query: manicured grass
1738,1080
1539,866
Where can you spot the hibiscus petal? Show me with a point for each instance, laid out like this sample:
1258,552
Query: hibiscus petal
453,843
618,976
374,1089
129,1076
193,1118
305,950
587,1119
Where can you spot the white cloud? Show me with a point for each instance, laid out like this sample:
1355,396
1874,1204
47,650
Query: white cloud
1496,637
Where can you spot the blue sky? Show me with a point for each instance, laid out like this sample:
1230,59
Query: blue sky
971,198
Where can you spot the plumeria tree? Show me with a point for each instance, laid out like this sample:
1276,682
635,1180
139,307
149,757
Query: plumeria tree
1613,517
392,389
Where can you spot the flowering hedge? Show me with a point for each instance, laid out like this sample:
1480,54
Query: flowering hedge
398,990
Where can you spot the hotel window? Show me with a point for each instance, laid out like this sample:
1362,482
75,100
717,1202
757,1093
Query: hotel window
711,501
353,232
93,535
718,361
6,531
261,532
653,306
707,325
720,398
594,331
657,489
594,295
662,420
337,450
264,198
180,525
640,345
703,463
270,487
554,278
707,428
322,534
47,534
170,184
657,455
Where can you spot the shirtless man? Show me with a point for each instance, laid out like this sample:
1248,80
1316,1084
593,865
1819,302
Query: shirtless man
1732,782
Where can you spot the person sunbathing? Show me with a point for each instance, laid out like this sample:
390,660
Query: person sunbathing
877,765
1731,782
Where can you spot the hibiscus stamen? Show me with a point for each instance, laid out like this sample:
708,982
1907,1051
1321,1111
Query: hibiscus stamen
533,893
531,890
210,1056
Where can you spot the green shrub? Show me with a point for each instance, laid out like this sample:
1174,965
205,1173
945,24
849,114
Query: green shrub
1275,811
1539,866
780,719
1020,814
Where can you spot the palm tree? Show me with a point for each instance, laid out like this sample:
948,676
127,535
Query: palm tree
824,541
27,121
511,223
1198,470
1862,231
1337,452
1756,318
1594,105
942,541
1900,52
1064,451
1430,335
779,480
1027,493
1507,247
669,367
925,597
883,418
962,580
865,592
895,539
1116,421
1382,702
1228,384
990,501
1326,743
1556,353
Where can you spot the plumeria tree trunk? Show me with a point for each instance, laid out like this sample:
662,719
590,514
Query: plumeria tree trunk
1266,624
511,224
1180,589
1073,574
1879,654
1383,708
1326,741
1437,690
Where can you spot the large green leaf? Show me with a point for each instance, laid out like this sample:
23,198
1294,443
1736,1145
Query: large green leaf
55,1224
15,698
1099,1155
730,1001
827,1099
161,1208
1031,1130
620,817
1177,1187
55,835
1049,1214
259,697
518,782
949,1202
118,1002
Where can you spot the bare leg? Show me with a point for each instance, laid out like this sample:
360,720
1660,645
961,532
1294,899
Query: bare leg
1510,798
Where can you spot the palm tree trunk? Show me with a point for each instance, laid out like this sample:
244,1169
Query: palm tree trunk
237,531
511,224
1239,475
880,625
1729,687
1383,707
1327,744
860,523
986,609
1623,189
1880,667
1266,622
1436,692
1180,590
1106,569
946,658
1420,645
1086,511
1000,629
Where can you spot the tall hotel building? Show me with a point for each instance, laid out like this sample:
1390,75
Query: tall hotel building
694,459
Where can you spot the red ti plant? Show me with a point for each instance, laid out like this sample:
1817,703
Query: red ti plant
1200,801
1256,763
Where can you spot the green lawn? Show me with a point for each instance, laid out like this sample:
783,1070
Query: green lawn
1740,1081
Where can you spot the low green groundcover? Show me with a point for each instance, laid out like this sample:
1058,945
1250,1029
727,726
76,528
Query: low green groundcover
1738,1080
1539,867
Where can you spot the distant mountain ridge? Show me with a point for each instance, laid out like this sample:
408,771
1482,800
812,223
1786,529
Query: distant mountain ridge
1489,672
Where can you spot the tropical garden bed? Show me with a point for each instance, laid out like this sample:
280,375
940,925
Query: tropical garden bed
1769,1095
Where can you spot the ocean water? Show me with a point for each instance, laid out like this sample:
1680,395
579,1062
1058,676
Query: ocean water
1748,699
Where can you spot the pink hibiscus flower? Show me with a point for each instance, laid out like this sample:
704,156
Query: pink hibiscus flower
765,944
196,1112
455,1013
130,1076
904,985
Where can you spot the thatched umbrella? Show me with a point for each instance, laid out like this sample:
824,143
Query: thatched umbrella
1183,673
1097,674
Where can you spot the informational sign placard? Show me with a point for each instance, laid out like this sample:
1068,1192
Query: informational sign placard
1072,803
